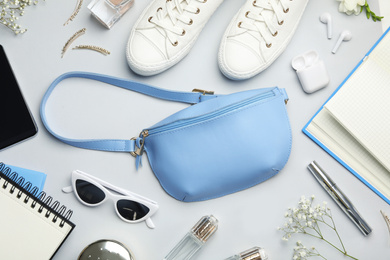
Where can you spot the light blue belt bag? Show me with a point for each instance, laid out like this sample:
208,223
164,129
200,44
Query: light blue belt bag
220,145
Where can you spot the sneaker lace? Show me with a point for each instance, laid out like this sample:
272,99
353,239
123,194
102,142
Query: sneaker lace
259,20
167,18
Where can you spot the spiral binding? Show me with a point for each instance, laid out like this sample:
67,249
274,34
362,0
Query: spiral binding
46,204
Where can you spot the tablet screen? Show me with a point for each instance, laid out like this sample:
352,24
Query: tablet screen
16,120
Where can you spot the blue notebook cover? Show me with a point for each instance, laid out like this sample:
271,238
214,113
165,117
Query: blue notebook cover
326,148
26,216
36,178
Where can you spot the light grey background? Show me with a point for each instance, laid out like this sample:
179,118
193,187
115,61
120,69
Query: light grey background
82,109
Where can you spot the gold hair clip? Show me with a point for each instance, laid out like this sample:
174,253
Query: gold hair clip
94,48
71,39
75,12
387,220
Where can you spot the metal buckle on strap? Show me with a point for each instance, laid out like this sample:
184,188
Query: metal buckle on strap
138,149
204,92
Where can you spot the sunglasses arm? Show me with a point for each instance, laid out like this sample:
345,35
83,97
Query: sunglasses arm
149,223
67,189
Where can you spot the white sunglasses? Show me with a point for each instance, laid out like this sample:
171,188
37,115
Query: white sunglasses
129,206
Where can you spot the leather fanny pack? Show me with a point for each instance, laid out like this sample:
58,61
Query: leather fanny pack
220,145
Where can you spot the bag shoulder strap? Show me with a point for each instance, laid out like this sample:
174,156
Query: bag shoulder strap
116,145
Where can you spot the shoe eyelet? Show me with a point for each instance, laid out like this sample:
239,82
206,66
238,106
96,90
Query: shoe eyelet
204,1
197,11
254,3
246,14
150,19
268,45
286,11
159,9
175,43
239,24
183,32
281,22
190,22
274,34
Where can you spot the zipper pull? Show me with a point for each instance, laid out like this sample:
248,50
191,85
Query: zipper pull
284,94
140,150
139,143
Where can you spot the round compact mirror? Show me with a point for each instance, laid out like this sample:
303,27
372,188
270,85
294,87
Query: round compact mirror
106,250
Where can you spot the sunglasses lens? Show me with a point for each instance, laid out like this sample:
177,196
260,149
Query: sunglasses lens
88,192
131,210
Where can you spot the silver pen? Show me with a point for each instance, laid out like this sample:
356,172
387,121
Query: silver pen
339,197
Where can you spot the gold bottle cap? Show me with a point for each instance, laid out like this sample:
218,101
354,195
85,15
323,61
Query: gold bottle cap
205,228
255,253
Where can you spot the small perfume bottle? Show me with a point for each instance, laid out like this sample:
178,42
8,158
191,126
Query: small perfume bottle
255,253
108,12
194,239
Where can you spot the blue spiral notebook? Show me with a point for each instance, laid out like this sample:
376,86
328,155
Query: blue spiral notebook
34,224
34,177
353,125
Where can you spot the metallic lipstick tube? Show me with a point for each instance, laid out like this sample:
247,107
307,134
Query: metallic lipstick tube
339,197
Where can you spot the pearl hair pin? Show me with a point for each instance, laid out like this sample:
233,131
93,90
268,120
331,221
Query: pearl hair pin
94,48
89,47
75,12
387,219
71,39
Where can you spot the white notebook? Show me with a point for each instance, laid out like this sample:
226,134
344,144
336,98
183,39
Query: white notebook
354,124
31,228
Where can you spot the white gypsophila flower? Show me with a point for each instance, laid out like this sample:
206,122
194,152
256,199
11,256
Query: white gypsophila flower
309,219
351,6
8,11
303,253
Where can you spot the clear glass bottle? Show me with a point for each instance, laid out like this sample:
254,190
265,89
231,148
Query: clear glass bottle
194,239
108,12
255,253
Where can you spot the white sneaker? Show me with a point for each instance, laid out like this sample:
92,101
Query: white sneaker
165,33
257,35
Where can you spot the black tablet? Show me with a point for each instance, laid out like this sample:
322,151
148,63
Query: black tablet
16,121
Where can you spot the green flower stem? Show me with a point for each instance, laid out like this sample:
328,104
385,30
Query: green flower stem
333,226
370,13
343,252
337,233
330,243
319,255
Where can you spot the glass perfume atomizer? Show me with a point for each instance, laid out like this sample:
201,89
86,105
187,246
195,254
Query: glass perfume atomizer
255,253
108,12
194,239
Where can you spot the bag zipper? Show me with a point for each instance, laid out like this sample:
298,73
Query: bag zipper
147,132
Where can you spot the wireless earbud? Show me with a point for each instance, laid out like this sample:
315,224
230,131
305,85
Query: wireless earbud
344,36
327,19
